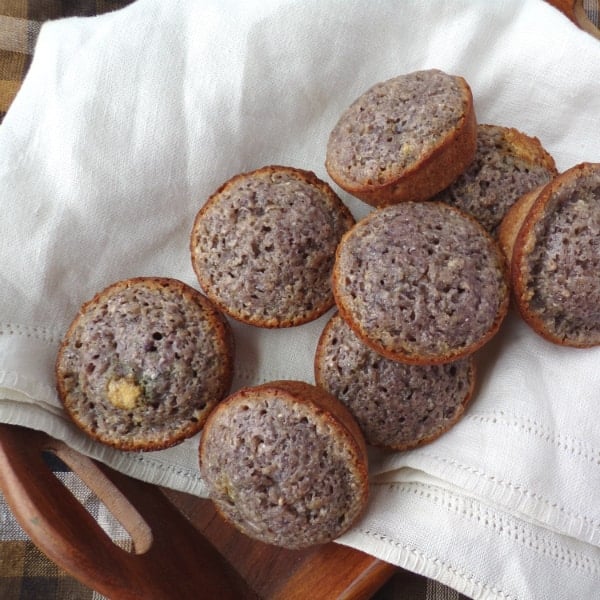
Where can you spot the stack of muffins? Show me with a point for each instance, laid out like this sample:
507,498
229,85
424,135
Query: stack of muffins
462,213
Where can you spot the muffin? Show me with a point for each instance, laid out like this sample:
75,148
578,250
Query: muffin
421,282
512,221
507,164
556,258
263,246
406,138
143,363
285,463
397,406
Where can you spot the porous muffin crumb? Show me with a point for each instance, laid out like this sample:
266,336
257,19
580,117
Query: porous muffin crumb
512,221
263,246
421,282
406,138
507,164
556,259
397,405
285,463
143,363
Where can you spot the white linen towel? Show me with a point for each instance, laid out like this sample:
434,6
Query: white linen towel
127,122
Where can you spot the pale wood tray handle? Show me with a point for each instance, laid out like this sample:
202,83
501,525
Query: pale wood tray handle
171,559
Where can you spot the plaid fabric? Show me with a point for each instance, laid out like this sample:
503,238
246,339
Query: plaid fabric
20,22
25,573
592,11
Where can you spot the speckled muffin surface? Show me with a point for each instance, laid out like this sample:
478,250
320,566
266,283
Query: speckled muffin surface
263,246
507,164
143,363
406,138
421,282
285,463
397,405
556,259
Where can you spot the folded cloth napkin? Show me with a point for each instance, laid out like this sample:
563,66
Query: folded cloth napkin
127,122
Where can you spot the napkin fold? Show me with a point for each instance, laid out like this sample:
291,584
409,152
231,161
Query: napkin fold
127,122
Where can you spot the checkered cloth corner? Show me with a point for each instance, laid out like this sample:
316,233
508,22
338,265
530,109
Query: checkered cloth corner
592,11
20,22
26,573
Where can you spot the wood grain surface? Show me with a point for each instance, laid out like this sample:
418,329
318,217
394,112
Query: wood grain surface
182,548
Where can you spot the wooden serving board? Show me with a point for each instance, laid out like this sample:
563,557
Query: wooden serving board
182,548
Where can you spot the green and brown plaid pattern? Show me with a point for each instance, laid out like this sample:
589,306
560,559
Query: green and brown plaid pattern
592,11
20,22
26,573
